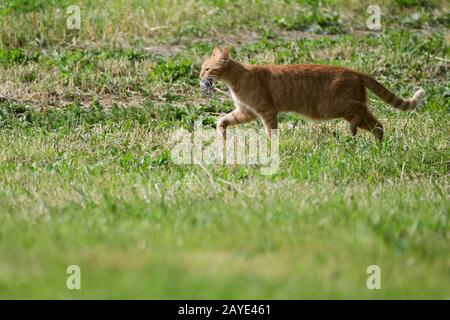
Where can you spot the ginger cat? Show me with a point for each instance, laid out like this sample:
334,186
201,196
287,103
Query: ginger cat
316,91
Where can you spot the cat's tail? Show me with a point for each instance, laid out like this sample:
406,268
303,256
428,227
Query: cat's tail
389,97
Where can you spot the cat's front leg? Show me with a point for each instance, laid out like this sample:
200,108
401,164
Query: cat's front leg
237,116
270,121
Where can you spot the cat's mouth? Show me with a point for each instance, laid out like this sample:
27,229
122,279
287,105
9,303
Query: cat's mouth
207,86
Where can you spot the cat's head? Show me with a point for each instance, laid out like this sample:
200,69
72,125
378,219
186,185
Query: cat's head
213,66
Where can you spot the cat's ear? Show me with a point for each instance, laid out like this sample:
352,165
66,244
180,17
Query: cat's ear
216,52
224,56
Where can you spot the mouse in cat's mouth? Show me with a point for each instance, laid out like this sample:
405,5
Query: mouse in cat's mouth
207,86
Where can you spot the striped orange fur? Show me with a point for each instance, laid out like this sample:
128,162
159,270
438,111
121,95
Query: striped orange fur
316,91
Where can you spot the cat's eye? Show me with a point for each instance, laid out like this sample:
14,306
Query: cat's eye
206,69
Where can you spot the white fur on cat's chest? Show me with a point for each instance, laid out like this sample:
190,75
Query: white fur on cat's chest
235,98
238,102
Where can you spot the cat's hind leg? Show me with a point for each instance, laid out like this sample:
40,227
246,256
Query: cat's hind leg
370,123
364,119
353,122
354,115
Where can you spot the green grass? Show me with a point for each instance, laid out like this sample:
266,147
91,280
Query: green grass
86,175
